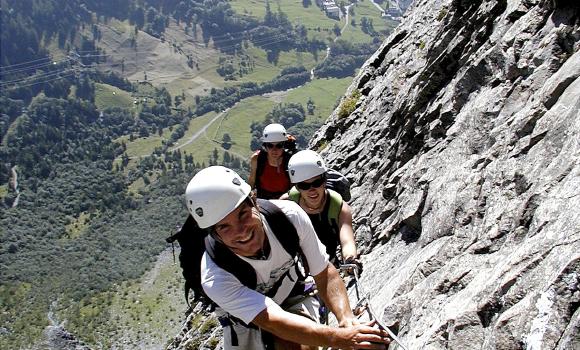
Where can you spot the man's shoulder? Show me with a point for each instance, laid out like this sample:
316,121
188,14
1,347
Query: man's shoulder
291,211
288,207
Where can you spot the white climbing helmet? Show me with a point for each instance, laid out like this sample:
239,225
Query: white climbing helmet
305,165
274,133
213,193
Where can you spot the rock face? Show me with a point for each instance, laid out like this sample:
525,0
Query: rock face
199,332
58,338
464,153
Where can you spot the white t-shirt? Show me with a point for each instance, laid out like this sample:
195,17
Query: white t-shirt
244,303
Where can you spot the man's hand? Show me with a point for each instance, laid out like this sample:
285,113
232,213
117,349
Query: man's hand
349,322
361,336
351,260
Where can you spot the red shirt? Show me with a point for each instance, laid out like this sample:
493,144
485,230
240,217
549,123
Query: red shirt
274,179
273,182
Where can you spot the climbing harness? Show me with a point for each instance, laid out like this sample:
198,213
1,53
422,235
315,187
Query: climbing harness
364,302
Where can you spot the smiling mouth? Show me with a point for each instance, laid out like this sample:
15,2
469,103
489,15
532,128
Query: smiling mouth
247,238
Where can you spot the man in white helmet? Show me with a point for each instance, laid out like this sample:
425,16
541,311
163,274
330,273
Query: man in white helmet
329,214
218,199
268,166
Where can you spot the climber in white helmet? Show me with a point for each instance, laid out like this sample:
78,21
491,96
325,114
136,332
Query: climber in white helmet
278,309
269,165
329,214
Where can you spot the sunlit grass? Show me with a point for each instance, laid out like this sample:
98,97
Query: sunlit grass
143,313
111,96
77,226
3,190
143,146
252,8
324,92
30,322
313,18
236,122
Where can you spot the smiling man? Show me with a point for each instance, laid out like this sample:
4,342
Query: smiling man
331,217
274,309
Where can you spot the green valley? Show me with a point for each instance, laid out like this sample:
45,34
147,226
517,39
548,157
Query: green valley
107,109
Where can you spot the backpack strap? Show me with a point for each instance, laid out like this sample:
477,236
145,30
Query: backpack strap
334,207
294,195
262,158
229,261
286,234
283,229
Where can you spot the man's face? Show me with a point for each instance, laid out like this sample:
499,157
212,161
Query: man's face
242,231
312,190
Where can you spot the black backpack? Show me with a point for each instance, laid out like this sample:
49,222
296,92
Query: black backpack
339,183
194,241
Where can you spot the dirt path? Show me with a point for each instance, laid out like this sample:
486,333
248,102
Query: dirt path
14,182
379,6
199,132
347,8
163,259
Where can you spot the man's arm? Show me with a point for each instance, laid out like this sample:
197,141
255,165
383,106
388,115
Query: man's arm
333,292
253,170
301,330
347,243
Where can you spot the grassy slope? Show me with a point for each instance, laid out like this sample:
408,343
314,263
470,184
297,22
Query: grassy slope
20,315
236,119
324,92
111,96
145,313
3,191
316,22
142,314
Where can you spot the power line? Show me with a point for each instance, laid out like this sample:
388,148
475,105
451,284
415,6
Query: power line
37,66
24,63
41,82
220,39
40,76
264,41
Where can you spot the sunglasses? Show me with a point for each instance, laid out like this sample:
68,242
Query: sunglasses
279,145
314,184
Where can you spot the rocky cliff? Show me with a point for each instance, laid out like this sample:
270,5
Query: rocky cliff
464,151
463,146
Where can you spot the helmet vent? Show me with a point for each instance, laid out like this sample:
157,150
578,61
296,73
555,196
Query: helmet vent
236,181
199,212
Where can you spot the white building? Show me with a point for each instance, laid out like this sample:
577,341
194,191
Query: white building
329,7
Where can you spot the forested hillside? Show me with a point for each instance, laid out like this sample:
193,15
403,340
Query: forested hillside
101,104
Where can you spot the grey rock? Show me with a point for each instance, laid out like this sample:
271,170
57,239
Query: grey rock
466,144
